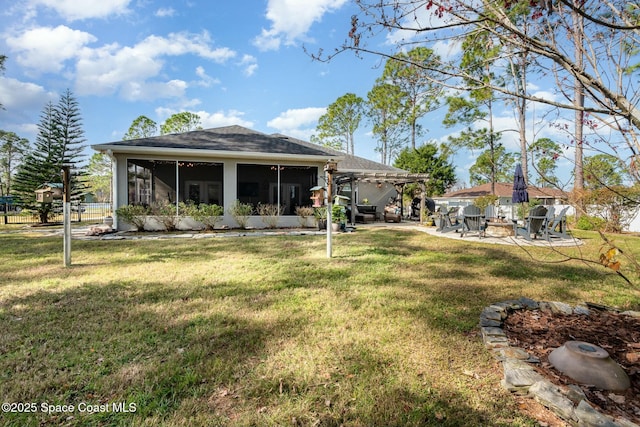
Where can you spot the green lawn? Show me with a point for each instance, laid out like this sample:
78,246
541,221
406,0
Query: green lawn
268,331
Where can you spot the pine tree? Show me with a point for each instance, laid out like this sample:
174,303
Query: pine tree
70,135
59,141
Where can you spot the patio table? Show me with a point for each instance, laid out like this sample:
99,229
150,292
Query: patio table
496,228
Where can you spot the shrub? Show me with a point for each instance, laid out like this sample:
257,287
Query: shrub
166,214
338,214
483,201
269,214
303,213
240,212
320,213
134,215
209,215
590,223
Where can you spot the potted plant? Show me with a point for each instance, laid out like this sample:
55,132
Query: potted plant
320,215
303,213
338,217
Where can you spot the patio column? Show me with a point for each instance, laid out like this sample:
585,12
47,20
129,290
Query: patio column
399,189
423,195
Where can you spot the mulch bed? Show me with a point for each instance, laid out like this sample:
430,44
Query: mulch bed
541,332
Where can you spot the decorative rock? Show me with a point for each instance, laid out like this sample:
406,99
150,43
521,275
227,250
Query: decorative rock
528,303
581,309
575,394
631,313
487,323
509,305
623,422
496,342
550,396
519,376
491,314
560,308
514,353
589,417
492,332
99,230
499,309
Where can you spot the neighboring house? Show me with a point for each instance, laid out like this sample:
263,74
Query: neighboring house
225,164
466,196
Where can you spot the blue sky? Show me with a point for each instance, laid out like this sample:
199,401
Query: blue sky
232,62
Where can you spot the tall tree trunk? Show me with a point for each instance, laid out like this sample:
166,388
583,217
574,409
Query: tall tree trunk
522,118
413,133
492,148
578,101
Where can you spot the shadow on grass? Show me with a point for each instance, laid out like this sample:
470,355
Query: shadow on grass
163,348
111,343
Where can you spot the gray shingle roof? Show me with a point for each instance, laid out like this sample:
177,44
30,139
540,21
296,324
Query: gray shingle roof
349,163
229,138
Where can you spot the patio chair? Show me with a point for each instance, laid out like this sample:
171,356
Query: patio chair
491,213
534,225
448,221
557,225
392,213
472,221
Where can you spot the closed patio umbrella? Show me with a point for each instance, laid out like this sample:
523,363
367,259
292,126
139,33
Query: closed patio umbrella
520,194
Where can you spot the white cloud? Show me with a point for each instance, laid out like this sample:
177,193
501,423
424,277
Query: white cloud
205,79
23,102
72,10
45,49
145,91
17,95
222,118
291,20
210,120
267,40
296,122
165,12
250,65
113,68
183,43
447,49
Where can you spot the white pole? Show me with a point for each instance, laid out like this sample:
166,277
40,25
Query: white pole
66,212
177,187
66,209
329,247
329,203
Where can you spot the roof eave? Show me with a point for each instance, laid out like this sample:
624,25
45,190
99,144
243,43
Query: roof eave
121,149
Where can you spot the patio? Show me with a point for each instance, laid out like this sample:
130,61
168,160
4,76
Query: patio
507,240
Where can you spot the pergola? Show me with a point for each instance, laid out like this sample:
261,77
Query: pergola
397,179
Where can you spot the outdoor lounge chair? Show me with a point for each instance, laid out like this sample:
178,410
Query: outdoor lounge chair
448,221
473,221
534,224
391,213
557,225
365,213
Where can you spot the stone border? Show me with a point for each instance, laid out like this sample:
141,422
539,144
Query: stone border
521,378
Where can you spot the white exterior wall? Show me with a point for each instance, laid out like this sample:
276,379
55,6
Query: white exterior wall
230,185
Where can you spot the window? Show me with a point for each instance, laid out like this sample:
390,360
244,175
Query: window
287,186
156,181
151,181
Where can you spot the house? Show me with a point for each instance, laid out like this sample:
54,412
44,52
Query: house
225,164
466,196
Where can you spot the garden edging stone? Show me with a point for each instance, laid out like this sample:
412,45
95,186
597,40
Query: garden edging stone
520,377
